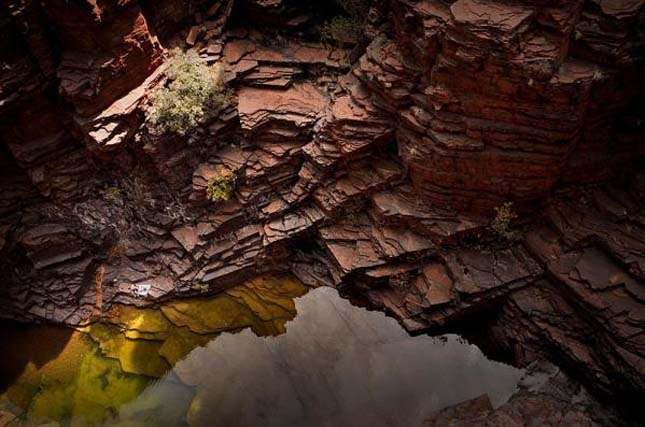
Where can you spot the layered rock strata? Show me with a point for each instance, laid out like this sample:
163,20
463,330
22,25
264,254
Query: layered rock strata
372,168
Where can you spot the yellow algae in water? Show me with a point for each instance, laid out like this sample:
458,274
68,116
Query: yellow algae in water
84,378
150,341
54,401
95,395
136,356
180,342
146,321
270,298
63,376
264,304
217,314
34,354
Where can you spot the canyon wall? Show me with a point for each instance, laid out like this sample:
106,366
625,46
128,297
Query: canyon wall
514,97
374,167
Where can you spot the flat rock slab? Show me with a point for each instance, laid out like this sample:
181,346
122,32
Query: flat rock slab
490,15
299,105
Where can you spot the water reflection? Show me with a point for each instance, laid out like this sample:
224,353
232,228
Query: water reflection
87,377
336,365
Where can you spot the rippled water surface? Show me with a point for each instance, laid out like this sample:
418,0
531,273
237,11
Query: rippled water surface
266,353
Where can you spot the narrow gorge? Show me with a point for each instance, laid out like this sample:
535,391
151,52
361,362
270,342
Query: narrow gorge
194,194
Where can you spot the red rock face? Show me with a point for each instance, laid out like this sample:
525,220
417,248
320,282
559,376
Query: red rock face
106,50
168,17
372,168
505,99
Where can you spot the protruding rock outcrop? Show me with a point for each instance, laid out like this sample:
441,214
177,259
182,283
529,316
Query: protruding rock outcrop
503,105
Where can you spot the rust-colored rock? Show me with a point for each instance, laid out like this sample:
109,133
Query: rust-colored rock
373,168
503,102
108,50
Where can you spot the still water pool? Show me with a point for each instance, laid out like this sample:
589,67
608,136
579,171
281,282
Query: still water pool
269,352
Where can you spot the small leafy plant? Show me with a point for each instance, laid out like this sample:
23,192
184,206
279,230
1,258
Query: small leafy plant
194,92
220,188
401,280
504,216
349,27
341,29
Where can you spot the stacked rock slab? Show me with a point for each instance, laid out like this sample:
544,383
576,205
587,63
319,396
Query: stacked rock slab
372,168
505,99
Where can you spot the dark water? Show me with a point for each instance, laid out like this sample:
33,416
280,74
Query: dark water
238,360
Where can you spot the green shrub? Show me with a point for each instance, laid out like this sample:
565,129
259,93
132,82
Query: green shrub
221,187
401,280
504,216
194,92
346,28
342,29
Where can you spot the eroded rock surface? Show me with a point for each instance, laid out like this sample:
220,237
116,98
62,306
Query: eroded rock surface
373,168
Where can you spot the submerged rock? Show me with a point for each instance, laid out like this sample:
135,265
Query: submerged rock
546,397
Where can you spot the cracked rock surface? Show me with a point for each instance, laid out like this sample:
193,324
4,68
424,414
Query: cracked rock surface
374,168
